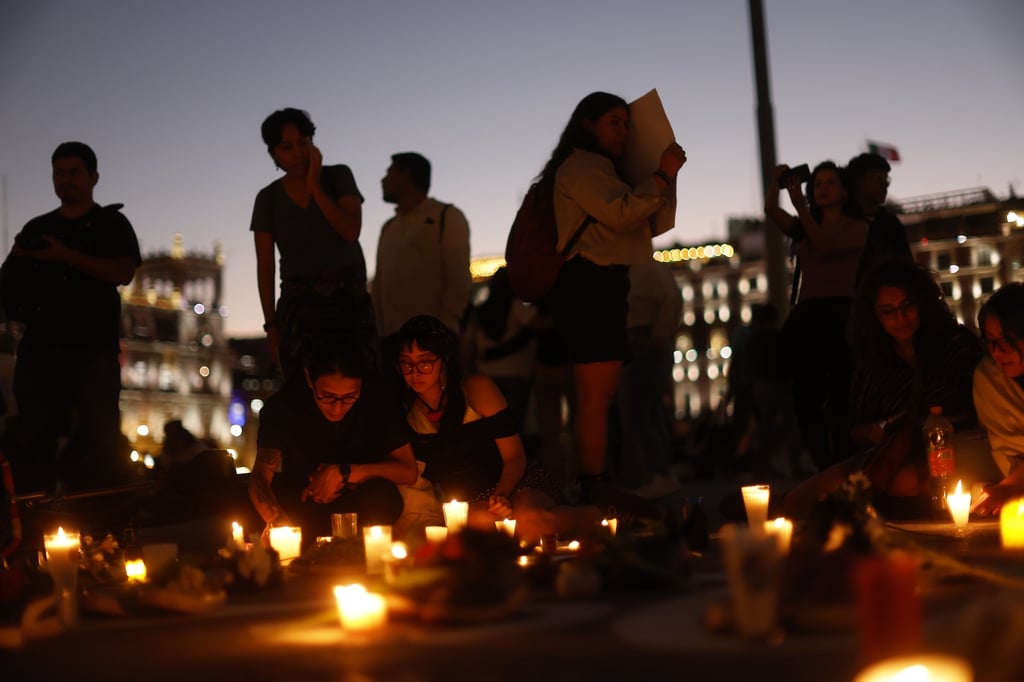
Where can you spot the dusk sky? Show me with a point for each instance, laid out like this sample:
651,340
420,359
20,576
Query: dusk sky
171,96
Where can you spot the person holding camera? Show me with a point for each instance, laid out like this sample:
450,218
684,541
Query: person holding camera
60,280
828,244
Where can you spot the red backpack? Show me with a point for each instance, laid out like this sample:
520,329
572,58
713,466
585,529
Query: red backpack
531,256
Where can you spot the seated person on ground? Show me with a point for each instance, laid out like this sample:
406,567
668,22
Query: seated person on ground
999,392
331,440
465,435
910,354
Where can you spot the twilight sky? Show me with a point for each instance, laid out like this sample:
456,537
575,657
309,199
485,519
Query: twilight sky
171,96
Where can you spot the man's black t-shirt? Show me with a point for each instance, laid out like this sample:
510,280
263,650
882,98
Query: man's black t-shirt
292,423
63,305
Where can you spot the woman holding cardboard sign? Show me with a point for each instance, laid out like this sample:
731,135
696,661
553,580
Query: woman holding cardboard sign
589,298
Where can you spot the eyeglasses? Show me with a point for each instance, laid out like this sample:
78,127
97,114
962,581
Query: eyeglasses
331,399
904,307
424,366
1000,345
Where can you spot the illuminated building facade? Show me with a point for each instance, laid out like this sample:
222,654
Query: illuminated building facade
175,359
972,240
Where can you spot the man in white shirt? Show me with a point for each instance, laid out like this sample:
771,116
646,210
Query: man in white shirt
422,253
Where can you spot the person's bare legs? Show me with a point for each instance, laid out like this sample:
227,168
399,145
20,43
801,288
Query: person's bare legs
596,383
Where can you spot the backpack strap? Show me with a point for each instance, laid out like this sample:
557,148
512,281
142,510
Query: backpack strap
576,235
440,231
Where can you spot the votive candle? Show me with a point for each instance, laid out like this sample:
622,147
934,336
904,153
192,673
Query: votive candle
611,524
62,550
782,529
377,542
436,533
455,515
238,533
959,504
287,541
358,609
135,569
755,500
507,525
923,668
1011,523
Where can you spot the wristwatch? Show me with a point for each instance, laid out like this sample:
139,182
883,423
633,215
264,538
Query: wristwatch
346,470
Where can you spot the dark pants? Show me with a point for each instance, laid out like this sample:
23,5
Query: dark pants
820,364
68,425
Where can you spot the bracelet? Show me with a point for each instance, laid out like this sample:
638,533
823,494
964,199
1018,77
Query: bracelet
664,176
346,471
268,325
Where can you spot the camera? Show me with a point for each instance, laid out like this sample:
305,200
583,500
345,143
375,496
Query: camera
801,173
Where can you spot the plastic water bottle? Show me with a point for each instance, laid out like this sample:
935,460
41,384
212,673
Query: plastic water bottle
938,438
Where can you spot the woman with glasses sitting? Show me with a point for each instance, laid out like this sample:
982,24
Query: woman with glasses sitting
467,438
330,441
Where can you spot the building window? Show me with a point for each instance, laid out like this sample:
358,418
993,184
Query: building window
947,289
943,261
988,285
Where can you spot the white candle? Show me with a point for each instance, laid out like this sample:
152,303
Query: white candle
782,529
455,515
359,610
377,542
921,668
287,541
436,533
238,533
62,558
135,569
1011,523
611,524
755,500
507,525
959,504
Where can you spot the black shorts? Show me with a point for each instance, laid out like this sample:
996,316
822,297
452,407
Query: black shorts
589,305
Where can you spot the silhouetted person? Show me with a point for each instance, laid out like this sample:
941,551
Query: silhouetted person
422,253
312,216
868,176
61,281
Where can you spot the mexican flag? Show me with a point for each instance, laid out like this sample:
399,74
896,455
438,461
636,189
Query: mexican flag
886,151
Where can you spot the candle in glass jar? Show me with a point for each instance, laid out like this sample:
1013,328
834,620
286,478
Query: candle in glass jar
135,569
755,501
923,668
611,524
62,554
959,504
1011,523
377,542
782,529
287,541
359,610
455,515
436,533
507,525
237,533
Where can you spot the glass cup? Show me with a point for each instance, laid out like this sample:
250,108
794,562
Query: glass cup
344,526
63,554
753,566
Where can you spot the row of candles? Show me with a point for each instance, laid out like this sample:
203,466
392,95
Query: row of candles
1011,517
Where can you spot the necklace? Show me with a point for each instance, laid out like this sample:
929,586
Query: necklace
434,414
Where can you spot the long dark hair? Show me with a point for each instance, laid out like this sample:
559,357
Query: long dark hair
1007,306
592,107
823,167
430,334
870,344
